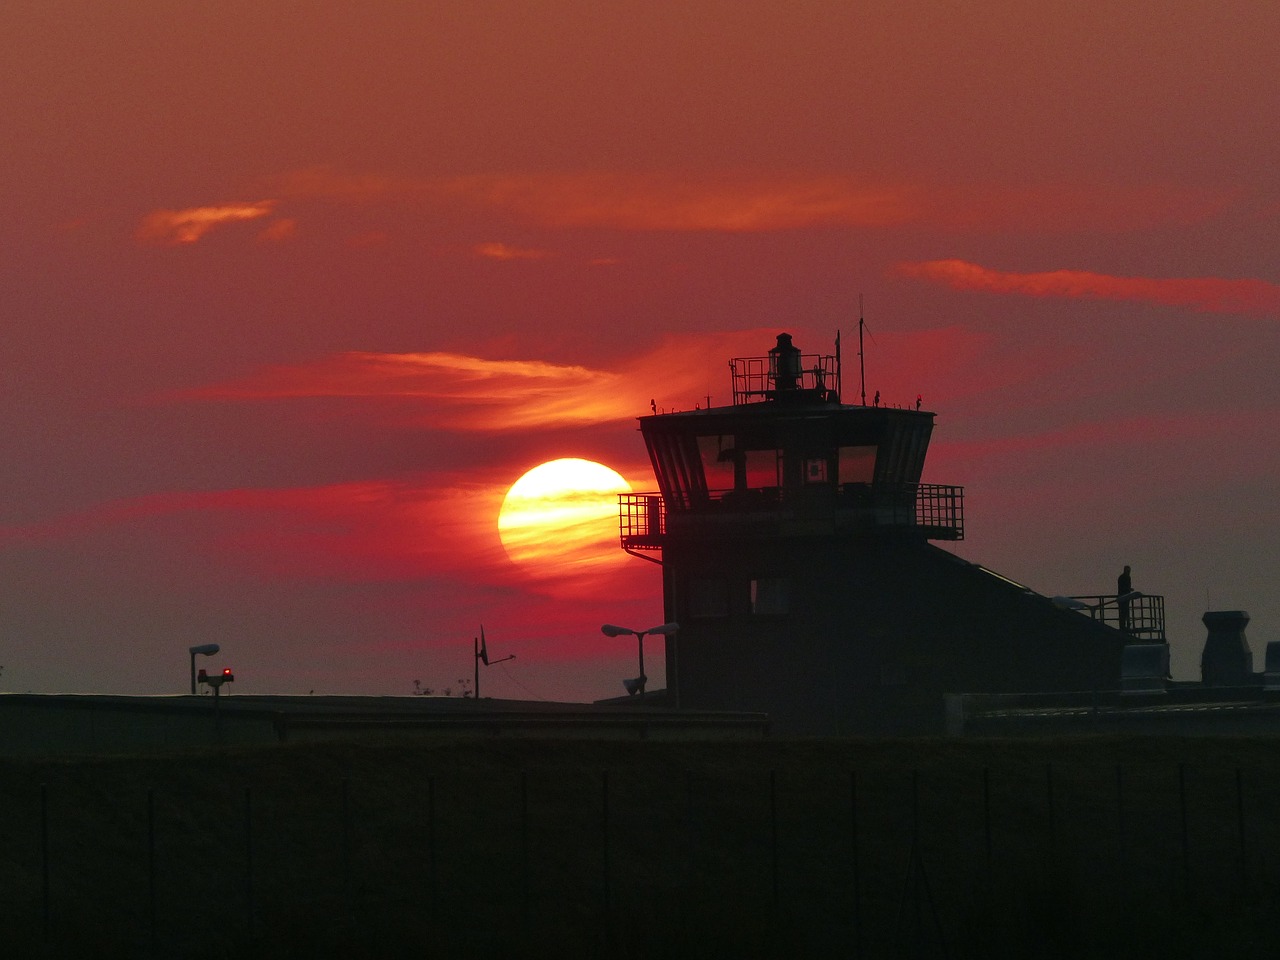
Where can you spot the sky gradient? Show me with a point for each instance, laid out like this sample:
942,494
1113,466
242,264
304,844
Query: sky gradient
294,292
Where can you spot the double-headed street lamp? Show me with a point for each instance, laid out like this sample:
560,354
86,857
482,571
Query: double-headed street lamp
204,650
666,629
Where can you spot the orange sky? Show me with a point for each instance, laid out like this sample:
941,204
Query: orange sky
293,292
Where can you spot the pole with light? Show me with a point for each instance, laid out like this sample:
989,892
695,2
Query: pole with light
665,629
204,650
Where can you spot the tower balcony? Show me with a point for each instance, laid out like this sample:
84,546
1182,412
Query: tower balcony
1140,615
935,511
807,376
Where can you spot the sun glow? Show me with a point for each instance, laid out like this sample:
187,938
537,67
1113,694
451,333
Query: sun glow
560,520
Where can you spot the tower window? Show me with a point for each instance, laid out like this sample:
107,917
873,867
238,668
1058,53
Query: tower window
857,464
770,596
815,470
762,469
718,457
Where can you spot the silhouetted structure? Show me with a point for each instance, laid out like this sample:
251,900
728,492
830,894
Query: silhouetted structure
1124,587
1226,660
794,534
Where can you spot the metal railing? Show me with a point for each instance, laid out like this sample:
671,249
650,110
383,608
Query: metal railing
935,509
1141,615
642,521
754,378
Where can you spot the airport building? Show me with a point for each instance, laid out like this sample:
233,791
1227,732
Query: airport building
799,551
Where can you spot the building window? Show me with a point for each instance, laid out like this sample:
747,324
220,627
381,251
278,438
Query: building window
857,464
763,469
815,470
708,598
770,596
718,457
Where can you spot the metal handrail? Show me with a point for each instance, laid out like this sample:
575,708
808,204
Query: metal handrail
937,509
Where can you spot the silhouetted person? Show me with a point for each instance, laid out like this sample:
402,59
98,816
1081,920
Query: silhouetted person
876,401
1124,586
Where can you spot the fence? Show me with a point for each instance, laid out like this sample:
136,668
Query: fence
564,861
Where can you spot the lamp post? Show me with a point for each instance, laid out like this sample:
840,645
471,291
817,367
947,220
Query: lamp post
665,629
204,650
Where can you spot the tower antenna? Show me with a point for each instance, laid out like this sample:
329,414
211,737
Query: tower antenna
862,359
839,371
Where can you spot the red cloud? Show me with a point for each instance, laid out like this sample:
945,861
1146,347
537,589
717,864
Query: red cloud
503,251
730,201
474,393
174,227
1208,294
720,202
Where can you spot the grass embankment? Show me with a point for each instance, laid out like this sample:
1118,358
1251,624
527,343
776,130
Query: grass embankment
1075,848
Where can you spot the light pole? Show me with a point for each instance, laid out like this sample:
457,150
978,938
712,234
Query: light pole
665,629
204,650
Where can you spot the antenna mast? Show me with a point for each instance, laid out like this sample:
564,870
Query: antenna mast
862,360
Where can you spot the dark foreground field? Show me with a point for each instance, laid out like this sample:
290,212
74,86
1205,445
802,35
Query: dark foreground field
506,848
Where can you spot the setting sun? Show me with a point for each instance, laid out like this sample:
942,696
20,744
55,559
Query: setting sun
560,519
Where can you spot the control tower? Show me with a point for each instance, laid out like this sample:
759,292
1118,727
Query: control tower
796,541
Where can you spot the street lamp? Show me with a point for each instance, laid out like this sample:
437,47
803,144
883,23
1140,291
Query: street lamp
666,629
204,650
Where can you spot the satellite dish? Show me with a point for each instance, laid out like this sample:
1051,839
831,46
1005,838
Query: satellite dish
633,686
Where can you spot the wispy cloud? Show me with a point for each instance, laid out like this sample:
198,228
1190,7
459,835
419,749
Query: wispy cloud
739,202
475,393
278,231
727,202
1246,297
502,251
734,204
176,227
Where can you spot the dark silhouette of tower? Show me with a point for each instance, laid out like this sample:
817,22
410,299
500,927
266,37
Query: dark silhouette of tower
794,536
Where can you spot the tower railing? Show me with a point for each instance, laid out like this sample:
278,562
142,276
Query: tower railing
755,379
1141,616
936,510
642,521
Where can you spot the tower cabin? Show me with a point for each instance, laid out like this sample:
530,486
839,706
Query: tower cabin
794,534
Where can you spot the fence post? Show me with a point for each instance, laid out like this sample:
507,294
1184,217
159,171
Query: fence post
1186,845
1052,823
432,907
773,837
524,850
151,868
1244,862
604,859
986,824
248,859
853,852
346,848
44,860
1122,840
